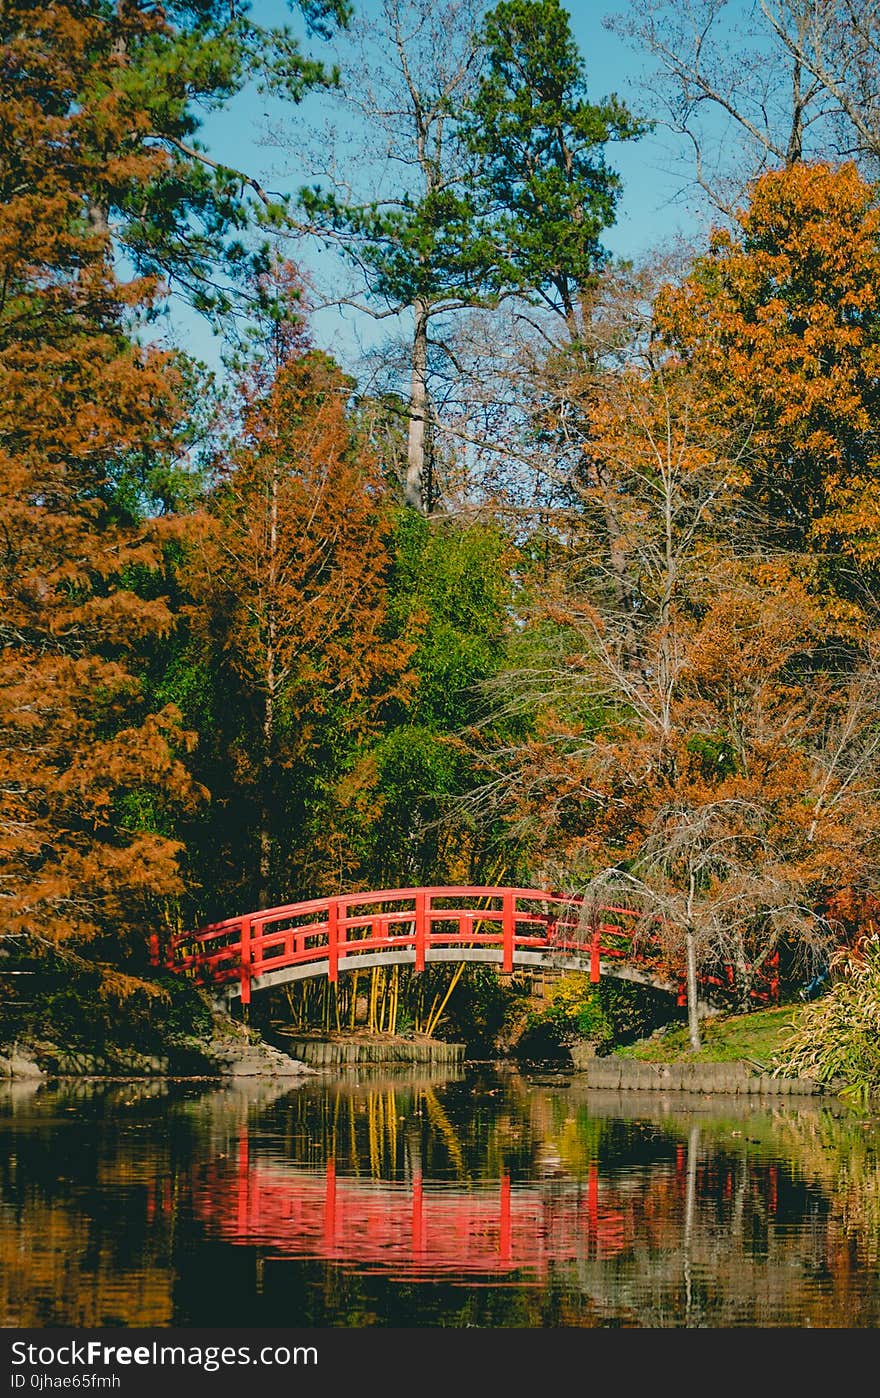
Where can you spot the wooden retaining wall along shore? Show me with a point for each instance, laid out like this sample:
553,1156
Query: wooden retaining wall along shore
331,1053
624,1074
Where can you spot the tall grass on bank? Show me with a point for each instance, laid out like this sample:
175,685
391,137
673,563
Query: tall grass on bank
838,1036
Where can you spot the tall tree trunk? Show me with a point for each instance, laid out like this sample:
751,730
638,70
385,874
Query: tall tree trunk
692,992
270,678
264,896
623,588
417,456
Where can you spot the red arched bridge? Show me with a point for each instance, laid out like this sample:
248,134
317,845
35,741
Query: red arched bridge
507,927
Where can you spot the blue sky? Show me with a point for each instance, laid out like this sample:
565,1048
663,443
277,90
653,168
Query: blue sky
651,209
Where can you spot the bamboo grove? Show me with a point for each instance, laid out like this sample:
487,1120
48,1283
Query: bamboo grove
574,583
372,1000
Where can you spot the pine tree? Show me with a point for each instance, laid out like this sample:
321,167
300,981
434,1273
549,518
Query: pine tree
544,191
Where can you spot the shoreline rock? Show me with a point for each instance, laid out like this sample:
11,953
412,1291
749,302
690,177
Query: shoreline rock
237,1053
20,1067
232,1051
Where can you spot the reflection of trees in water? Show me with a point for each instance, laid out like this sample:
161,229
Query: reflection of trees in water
777,1226
751,1216
57,1267
64,1260
714,1226
842,1159
389,1130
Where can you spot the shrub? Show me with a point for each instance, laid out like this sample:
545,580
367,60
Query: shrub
838,1036
610,1013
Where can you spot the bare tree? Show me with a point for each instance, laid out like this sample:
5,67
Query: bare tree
749,86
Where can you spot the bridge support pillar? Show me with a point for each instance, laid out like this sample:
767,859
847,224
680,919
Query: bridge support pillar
508,928
421,929
595,963
332,941
245,961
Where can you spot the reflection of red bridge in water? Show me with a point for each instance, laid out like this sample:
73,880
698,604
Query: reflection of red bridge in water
420,1230
412,1228
508,927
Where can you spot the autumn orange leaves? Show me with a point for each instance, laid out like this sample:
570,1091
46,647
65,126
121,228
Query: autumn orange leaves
79,397
708,741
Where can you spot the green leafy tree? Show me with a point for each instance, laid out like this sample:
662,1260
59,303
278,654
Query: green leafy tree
450,593
544,191
501,185
413,244
176,211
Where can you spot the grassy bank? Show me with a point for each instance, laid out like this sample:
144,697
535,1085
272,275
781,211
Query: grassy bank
753,1038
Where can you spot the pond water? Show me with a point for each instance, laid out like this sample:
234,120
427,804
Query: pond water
488,1198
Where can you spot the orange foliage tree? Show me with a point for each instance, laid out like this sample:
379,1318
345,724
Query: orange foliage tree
697,751
290,580
90,776
783,314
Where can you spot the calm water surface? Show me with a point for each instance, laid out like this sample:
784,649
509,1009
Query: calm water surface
488,1199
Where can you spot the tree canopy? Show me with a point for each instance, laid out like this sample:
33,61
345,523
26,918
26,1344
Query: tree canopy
257,645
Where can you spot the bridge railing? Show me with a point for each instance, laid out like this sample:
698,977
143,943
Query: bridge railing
334,934
341,929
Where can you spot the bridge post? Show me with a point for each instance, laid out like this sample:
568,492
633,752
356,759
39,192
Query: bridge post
245,961
332,941
421,928
508,922
595,963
